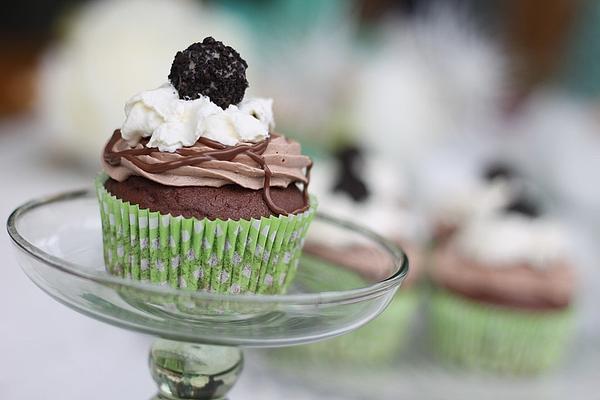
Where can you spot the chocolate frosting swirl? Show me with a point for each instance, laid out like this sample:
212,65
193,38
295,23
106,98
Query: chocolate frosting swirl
276,161
519,286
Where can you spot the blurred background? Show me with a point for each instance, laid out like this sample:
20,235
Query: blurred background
424,94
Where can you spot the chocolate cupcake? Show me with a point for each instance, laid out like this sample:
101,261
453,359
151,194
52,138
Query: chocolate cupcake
198,192
504,292
354,184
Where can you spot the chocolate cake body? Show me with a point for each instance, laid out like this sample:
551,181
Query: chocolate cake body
226,202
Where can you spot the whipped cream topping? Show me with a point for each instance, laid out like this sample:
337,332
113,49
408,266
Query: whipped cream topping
476,201
172,123
509,240
384,211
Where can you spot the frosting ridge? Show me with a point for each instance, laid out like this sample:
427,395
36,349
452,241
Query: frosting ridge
282,156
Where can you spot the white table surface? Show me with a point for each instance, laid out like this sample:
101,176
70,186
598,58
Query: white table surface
51,352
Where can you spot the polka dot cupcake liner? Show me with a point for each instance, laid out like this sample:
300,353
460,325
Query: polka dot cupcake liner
244,256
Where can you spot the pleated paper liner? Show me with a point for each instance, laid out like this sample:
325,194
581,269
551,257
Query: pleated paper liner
499,339
245,256
379,342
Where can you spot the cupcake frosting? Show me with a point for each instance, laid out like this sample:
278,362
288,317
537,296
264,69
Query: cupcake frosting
477,200
280,155
172,123
517,285
162,129
502,241
384,211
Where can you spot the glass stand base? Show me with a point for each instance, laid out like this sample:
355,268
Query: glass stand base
194,371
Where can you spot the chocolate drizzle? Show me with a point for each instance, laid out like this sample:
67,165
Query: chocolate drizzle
218,151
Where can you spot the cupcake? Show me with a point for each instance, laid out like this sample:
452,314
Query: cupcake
198,192
504,290
353,185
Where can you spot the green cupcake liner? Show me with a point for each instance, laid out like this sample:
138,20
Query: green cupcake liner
497,338
377,343
245,256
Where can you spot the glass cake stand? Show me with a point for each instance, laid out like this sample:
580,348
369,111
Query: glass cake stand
197,356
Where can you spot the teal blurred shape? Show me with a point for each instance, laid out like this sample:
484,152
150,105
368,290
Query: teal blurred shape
581,67
277,20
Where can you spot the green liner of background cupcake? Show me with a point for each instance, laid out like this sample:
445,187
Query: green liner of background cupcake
496,338
379,342
503,292
244,256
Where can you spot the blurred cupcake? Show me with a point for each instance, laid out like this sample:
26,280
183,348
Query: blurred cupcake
375,191
504,290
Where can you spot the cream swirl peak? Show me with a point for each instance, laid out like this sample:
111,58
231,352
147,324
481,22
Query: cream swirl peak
508,240
172,123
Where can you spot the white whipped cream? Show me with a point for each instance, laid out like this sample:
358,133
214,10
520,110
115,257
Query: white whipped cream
506,240
478,200
172,123
384,211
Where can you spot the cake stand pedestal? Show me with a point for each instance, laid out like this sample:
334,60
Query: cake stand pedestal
198,356
194,371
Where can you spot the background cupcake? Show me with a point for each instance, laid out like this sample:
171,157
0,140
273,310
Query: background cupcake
354,185
200,194
504,289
